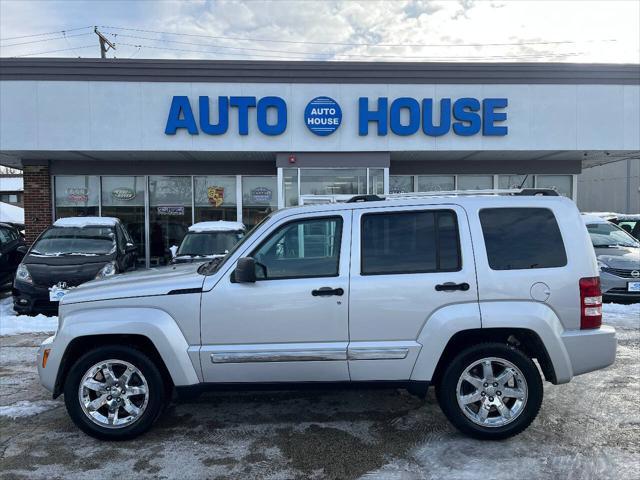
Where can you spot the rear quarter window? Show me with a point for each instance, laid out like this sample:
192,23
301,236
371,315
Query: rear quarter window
522,238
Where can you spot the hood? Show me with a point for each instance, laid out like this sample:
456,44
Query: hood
141,283
71,269
627,258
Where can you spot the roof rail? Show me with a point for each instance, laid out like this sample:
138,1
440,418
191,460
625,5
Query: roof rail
547,192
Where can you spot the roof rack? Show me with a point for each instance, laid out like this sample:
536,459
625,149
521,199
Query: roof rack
546,192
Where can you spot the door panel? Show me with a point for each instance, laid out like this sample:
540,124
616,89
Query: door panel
276,329
388,307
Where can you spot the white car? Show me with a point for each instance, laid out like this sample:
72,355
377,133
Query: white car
462,292
208,240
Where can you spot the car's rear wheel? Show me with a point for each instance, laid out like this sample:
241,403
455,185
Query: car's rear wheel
114,393
490,391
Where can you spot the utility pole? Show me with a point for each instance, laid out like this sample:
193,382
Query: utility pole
105,43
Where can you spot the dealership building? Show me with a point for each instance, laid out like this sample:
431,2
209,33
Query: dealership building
162,144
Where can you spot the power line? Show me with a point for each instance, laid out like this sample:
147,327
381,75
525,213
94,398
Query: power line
331,54
43,34
304,42
370,56
46,39
54,51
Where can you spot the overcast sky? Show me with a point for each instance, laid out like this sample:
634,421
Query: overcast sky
464,30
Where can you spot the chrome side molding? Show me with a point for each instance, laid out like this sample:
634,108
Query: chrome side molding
311,355
363,353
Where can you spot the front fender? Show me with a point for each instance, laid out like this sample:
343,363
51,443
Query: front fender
157,325
439,328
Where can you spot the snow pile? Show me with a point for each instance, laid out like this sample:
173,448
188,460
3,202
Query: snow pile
81,222
13,324
621,316
219,226
11,214
24,408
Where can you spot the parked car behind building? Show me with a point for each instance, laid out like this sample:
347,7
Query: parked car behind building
618,255
70,252
12,249
207,240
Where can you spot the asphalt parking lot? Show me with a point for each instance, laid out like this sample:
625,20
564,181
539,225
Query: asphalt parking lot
589,428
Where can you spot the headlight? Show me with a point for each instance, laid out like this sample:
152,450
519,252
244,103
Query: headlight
602,265
108,270
22,274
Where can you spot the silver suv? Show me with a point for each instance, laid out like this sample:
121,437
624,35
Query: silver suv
462,292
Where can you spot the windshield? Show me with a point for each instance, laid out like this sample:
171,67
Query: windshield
76,241
605,235
212,266
202,244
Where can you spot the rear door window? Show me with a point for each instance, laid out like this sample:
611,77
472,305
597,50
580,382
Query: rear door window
522,238
410,242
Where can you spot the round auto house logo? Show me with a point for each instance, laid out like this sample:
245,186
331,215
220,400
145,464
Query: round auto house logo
323,116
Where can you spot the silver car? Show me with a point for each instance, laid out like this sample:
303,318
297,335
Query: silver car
618,255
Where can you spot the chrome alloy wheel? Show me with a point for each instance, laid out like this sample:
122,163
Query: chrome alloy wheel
492,392
113,393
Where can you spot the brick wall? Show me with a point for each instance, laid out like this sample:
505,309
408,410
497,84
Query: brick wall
36,200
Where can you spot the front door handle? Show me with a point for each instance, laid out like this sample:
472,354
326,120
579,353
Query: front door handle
451,286
327,291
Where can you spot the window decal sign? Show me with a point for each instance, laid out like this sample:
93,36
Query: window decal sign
261,194
322,116
171,211
78,195
123,193
215,196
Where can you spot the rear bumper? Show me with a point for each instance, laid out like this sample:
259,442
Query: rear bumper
590,350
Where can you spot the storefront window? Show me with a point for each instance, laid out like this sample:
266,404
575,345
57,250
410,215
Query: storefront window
333,181
77,196
376,181
123,198
290,179
215,198
400,184
259,198
169,215
561,183
475,182
435,183
515,181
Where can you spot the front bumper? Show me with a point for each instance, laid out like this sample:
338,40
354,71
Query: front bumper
32,299
49,373
615,288
590,350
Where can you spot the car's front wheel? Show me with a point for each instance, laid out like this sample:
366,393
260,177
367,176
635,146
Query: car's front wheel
490,391
114,393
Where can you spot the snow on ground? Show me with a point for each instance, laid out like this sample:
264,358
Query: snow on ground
24,408
13,324
621,316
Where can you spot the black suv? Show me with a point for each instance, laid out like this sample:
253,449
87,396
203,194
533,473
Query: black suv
12,249
70,252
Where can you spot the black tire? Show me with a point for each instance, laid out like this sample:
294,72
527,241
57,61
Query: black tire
156,388
447,398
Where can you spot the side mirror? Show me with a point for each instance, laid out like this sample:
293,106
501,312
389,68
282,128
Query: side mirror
130,247
245,270
22,249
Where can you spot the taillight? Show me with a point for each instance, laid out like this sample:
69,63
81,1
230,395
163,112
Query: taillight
590,303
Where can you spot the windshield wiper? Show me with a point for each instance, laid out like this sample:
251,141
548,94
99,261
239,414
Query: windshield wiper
210,266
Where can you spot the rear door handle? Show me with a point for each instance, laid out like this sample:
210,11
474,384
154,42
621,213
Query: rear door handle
327,291
451,286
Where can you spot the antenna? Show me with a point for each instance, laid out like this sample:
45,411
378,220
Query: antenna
105,43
